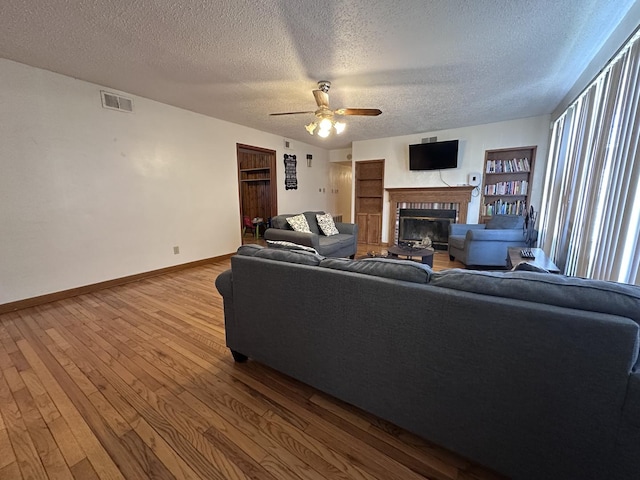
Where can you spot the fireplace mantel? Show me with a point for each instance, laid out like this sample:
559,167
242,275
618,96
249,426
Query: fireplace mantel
460,195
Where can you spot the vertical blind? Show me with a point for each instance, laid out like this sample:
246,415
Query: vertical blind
591,201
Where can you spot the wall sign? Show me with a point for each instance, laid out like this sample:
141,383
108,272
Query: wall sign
290,180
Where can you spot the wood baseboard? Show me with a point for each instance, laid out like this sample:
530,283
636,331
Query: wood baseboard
72,292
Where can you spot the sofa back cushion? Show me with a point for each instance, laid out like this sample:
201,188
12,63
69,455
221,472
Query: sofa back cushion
249,250
313,221
551,289
570,292
499,222
281,254
280,221
405,270
290,256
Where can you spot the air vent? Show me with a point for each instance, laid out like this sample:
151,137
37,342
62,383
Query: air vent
116,102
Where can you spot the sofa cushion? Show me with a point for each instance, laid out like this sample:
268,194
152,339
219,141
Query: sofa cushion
280,221
299,223
249,250
290,256
505,221
329,245
312,221
551,289
326,224
405,270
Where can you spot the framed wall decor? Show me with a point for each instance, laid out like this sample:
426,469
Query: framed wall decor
290,179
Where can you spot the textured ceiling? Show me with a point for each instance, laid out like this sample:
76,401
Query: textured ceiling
428,65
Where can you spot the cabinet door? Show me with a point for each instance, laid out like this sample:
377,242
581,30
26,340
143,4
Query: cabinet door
369,228
361,221
374,228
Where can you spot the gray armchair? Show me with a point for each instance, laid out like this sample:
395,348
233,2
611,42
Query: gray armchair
486,245
344,244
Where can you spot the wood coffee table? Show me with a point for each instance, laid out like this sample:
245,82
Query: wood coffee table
541,260
425,254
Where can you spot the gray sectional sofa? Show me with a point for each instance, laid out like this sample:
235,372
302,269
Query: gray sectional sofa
344,244
533,375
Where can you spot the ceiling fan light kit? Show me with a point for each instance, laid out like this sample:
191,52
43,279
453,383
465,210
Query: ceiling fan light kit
324,127
325,116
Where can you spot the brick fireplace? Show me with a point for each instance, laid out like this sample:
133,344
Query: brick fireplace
442,198
416,224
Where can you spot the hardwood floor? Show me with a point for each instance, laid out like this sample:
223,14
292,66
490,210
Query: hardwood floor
135,382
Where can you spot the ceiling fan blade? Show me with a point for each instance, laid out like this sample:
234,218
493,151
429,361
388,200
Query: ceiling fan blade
322,98
289,113
370,112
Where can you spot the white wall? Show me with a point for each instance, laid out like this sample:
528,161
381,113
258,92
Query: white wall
313,191
89,194
473,143
340,155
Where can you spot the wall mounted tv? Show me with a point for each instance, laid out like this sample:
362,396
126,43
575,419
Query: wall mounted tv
433,155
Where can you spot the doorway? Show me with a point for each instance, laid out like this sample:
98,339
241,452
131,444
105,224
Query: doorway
341,181
257,186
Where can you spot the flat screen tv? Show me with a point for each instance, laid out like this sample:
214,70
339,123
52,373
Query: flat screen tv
434,155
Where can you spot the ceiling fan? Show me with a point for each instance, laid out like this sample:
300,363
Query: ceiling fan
325,116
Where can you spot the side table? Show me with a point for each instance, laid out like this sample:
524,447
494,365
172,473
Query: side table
541,260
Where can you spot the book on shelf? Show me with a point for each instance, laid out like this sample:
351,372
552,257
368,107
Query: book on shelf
515,165
500,207
516,187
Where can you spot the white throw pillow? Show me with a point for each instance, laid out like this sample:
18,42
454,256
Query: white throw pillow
325,222
299,223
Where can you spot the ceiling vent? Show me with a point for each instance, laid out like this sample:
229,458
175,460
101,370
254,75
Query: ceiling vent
116,102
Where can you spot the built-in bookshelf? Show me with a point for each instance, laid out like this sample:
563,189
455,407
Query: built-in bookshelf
369,199
506,185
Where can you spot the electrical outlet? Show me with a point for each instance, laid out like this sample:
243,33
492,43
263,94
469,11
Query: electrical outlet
176,250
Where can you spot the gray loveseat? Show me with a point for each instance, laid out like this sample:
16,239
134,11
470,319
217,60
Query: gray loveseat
533,375
344,244
486,245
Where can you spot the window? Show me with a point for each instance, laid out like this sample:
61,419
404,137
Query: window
591,202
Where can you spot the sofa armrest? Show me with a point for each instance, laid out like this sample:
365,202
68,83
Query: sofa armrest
347,228
463,228
224,284
627,454
300,238
506,235
631,410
